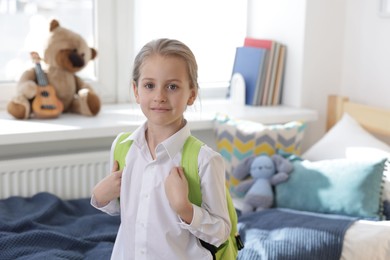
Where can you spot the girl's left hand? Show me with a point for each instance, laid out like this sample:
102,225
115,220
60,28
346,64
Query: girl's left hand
176,189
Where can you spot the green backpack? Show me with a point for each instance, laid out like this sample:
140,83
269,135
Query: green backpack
189,162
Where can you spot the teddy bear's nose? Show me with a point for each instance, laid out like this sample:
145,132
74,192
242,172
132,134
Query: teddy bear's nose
76,60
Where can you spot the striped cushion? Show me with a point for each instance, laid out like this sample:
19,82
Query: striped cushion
239,139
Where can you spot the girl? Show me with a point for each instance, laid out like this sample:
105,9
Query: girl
157,219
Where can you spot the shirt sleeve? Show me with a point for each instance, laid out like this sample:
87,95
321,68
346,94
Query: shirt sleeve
113,207
211,222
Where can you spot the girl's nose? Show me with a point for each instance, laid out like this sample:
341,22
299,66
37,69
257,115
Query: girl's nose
160,95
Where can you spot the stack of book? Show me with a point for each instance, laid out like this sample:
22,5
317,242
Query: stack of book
261,62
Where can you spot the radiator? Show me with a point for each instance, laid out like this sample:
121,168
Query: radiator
68,176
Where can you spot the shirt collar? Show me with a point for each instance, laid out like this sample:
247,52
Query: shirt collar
138,136
172,145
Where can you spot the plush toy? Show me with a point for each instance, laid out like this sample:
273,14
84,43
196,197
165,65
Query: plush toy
66,53
264,171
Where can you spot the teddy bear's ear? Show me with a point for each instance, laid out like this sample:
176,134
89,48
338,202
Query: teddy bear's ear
54,24
93,53
243,168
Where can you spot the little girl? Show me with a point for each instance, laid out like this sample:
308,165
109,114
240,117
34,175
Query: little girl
157,219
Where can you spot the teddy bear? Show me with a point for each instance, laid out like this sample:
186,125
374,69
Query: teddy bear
65,54
265,171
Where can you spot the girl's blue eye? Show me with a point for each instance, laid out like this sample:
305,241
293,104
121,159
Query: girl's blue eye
149,85
172,86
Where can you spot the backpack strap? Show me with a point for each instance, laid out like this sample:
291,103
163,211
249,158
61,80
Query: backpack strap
121,149
189,162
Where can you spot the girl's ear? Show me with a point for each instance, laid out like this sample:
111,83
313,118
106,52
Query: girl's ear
135,91
192,97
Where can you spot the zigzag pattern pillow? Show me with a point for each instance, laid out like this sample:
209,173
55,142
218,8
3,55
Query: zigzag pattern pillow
239,139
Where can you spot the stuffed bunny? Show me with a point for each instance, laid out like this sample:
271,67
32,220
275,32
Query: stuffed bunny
264,171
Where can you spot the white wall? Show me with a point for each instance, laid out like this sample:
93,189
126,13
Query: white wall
334,47
322,59
366,65
283,21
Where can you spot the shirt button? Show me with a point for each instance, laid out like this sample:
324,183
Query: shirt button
143,251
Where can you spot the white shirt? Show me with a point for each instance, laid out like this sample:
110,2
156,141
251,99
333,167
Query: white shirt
149,228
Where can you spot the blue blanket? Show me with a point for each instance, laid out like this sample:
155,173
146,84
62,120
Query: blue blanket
275,234
46,227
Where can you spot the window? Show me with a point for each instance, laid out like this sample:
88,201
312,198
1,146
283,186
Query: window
30,19
212,29
118,29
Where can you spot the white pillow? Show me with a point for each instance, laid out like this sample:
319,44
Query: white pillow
348,139
347,133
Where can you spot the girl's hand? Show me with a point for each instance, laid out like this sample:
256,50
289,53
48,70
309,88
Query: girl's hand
108,188
176,189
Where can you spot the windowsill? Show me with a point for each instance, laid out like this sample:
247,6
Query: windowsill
126,117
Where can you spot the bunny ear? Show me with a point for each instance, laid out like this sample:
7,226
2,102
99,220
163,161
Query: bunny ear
242,169
282,164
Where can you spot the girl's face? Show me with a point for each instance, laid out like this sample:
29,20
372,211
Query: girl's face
163,90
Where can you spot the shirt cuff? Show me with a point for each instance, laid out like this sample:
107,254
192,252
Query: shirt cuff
196,219
111,208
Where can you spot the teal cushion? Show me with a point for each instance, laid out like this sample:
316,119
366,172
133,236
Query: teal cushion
339,186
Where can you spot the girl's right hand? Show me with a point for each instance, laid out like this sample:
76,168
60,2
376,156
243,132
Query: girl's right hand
108,188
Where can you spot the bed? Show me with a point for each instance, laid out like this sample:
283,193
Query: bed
309,219
335,204
45,226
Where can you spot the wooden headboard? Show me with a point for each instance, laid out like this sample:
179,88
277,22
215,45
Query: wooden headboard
374,119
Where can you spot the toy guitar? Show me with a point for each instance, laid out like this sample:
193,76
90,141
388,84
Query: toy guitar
45,104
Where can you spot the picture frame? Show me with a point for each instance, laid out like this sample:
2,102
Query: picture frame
384,8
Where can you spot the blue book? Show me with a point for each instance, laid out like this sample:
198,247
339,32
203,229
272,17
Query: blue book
250,62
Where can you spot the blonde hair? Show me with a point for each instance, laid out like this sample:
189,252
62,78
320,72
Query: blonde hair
167,47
